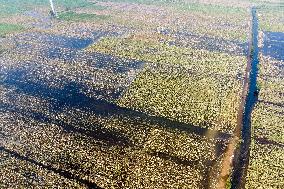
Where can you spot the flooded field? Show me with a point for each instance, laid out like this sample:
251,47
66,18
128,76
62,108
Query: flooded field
266,165
141,94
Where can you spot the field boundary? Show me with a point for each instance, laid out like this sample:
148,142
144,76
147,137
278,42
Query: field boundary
236,157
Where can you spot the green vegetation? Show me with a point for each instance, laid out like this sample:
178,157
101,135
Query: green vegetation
76,17
210,9
258,87
266,167
229,183
272,27
159,152
150,50
146,2
9,28
271,80
181,5
71,5
181,83
268,121
267,154
271,19
189,98
13,7
226,22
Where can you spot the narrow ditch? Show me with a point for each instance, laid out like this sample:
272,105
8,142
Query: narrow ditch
236,158
241,157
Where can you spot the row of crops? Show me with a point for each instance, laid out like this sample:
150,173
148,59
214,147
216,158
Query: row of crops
266,157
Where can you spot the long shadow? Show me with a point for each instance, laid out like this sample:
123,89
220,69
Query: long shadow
95,131
197,164
180,161
269,142
115,138
109,62
281,105
61,172
71,96
53,46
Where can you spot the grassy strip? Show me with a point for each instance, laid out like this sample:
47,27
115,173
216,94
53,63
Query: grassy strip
81,17
268,121
181,5
271,80
12,7
6,29
271,19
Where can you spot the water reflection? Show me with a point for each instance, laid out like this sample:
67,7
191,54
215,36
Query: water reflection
273,45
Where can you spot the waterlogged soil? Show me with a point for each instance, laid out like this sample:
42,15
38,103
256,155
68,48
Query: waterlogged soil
273,45
213,44
41,21
60,122
265,168
52,46
241,160
60,125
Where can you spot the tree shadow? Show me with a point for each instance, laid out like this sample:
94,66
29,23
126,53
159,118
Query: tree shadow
71,96
60,172
95,131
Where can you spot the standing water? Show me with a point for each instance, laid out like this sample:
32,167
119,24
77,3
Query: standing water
240,165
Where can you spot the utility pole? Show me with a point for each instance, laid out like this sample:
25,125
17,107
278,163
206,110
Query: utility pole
52,9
